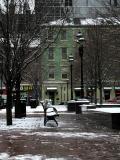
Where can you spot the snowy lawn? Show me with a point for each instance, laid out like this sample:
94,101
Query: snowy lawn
28,123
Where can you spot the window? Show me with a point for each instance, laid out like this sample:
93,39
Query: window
51,72
86,2
63,35
114,2
51,53
117,93
50,34
51,75
96,3
64,53
57,11
82,3
68,2
64,76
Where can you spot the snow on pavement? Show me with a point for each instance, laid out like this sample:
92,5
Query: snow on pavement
5,156
27,125
60,108
107,110
86,135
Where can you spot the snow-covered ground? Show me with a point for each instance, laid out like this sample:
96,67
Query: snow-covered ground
5,156
107,110
28,122
60,108
27,127
31,123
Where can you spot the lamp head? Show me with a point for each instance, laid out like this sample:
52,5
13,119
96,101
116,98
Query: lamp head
80,37
71,58
79,34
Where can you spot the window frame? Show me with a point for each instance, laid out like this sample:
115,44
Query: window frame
50,35
64,53
63,36
64,73
51,77
68,3
51,52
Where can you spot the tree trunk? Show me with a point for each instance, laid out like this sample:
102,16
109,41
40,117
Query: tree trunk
9,105
92,94
17,101
101,93
95,94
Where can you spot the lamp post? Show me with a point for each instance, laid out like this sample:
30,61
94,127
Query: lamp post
71,59
67,88
1,78
80,40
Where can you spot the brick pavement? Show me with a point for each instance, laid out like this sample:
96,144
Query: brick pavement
77,137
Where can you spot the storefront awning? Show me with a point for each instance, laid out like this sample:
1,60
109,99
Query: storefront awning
51,88
77,89
107,88
117,88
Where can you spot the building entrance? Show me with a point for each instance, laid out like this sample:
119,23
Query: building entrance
107,94
77,94
52,96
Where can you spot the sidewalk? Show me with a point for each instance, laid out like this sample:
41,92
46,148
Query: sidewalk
77,137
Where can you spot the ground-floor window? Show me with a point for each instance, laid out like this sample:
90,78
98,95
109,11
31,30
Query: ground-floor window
117,93
107,94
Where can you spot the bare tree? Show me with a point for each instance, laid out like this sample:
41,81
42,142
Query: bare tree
20,31
102,48
100,57
111,12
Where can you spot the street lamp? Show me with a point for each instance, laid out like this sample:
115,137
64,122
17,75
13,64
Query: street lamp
1,72
71,59
80,40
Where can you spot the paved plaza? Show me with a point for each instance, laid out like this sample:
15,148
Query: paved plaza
77,137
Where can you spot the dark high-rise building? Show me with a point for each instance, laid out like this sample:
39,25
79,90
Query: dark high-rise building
50,10
90,8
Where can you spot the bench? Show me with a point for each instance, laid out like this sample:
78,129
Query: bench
50,113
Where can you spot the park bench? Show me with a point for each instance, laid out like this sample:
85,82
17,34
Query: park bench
50,112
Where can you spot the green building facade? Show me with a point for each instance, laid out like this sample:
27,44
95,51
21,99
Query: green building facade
56,67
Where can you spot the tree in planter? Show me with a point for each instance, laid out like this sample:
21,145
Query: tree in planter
19,31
